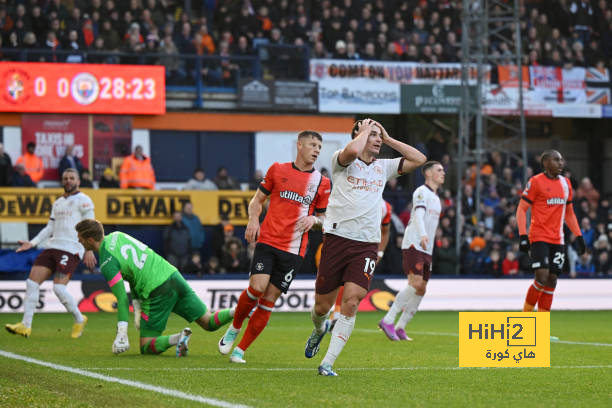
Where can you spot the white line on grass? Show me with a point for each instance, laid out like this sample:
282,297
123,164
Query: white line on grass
313,369
580,343
130,383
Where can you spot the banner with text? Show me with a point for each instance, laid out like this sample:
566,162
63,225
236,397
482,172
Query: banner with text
431,98
292,96
442,294
52,134
392,72
135,207
358,96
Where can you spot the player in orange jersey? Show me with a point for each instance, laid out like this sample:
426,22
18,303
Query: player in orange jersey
549,195
298,200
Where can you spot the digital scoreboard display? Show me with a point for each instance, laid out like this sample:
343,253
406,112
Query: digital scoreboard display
82,88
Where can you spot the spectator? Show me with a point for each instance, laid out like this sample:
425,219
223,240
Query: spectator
510,265
6,167
108,179
194,265
199,181
233,258
603,266
584,264
474,263
445,257
175,74
256,181
212,267
177,242
588,192
582,19
224,181
70,160
21,178
137,171
32,164
588,233
194,225
86,179
493,264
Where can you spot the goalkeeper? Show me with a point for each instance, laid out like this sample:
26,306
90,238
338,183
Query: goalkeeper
157,284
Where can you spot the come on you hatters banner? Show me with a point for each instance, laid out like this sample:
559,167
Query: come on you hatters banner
392,72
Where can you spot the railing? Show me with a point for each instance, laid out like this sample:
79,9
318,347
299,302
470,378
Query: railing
184,72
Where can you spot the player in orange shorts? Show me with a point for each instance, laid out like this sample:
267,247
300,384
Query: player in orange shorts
549,195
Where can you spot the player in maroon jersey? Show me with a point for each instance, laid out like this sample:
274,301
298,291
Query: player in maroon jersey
298,200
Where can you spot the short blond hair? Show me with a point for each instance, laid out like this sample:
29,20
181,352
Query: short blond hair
90,228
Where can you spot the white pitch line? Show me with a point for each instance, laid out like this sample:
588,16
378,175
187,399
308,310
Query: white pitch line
136,384
313,369
580,343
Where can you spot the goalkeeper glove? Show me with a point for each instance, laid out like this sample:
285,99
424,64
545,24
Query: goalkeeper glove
580,245
121,343
137,310
524,245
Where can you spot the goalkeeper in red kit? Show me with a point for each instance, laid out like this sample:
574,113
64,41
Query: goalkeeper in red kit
549,195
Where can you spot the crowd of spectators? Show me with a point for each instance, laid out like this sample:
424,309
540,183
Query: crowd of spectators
553,32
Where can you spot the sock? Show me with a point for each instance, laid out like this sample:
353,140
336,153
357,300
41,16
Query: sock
546,299
409,310
156,346
401,299
246,302
174,339
533,294
68,301
29,304
220,318
340,335
319,321
257,323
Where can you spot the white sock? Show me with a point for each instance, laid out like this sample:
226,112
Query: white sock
401,299
68,301
409,311
30,302
340,335
318,320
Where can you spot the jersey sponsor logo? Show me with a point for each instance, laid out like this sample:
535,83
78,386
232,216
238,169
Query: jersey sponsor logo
364,184
293,196
378,170
555,201
107,260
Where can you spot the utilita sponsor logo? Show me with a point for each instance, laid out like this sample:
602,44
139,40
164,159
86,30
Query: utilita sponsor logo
555,201
293,196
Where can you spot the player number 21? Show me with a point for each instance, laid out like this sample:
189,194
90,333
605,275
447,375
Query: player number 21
139,262
369,264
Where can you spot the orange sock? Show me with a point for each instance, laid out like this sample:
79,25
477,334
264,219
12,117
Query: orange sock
546,298
257,323
533,294
246,302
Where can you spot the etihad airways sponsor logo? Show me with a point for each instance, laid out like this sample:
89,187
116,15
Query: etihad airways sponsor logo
293,196
555,201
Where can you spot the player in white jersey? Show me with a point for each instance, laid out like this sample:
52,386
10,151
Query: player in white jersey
352,231
417,249
61,257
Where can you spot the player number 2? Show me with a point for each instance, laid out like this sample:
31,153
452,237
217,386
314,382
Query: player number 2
139,262
369,264
64,260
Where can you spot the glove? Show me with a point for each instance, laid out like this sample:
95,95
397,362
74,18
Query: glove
524,244
121,343
580,245
137,310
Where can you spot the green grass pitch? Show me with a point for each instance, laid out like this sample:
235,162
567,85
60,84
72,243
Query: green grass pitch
373,372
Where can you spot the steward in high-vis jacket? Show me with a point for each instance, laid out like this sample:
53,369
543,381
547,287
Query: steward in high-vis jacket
137,171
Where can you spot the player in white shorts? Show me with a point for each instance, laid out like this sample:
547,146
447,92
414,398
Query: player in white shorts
352,231
62,256
417,249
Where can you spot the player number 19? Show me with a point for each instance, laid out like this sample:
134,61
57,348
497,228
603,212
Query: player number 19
369,264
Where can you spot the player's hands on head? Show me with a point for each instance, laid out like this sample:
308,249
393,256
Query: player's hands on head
89,259
383,132
24,246
524,245
252,230
580,245
121,343
366,126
